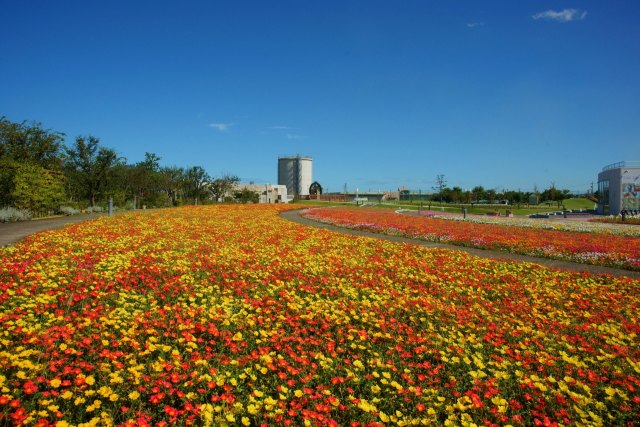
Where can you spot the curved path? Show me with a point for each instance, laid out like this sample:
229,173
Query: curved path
295,216
11,232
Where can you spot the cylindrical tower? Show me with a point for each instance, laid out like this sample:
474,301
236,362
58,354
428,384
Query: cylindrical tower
296,174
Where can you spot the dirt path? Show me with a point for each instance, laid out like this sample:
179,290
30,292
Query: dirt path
561,265
11,232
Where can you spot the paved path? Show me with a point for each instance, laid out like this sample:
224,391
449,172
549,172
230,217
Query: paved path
561,265
11,232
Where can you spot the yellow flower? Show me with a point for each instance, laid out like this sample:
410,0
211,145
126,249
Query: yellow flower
90,380
245,421
55,383
298,393
134,395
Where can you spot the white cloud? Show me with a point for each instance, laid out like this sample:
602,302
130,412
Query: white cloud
222,127
295,137
281,128
475,24
566,15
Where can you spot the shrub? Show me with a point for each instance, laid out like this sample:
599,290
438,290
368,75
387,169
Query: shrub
68,210
10,214
92,209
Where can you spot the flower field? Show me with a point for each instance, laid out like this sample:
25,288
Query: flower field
230,315
600,225
600,248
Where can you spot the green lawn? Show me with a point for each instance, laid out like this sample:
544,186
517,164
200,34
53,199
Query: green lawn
575,203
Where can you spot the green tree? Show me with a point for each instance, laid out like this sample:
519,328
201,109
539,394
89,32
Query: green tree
195,180
491,195
440,185
36,188
7,174
30,143
456,194
89,168
171,179
144,180
222,186
246,196
478,193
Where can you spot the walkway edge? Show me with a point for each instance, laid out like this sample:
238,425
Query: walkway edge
13,232
295,216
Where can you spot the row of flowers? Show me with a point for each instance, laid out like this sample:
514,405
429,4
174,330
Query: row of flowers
634,220
598,225
230,315
584,247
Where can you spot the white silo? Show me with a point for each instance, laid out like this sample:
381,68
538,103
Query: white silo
296,174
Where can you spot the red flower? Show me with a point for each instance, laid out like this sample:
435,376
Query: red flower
172,412
29,387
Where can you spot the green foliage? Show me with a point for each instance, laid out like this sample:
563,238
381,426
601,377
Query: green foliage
171,181
246,196
30,143
220,187
7,173
36,188
90,168
195,180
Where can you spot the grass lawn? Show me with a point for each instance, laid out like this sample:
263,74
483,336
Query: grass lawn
574,203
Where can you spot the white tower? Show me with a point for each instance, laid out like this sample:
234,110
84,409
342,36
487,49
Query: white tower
296,174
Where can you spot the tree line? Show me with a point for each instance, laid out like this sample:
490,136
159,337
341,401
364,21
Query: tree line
480,195
40,172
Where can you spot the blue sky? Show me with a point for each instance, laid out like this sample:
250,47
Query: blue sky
382,94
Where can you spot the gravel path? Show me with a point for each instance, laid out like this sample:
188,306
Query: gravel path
12,232
561,265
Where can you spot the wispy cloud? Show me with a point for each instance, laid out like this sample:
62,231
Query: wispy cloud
222,127
281,128
292,136
566,15
475,24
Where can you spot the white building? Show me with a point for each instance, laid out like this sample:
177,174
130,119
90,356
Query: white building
619,188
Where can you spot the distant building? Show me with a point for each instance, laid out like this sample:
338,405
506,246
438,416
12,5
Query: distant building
296,174
619,188
268,193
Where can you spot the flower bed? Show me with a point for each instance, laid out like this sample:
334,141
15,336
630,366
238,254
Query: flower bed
585,247
230,315
595,225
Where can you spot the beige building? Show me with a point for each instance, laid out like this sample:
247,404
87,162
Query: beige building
268,193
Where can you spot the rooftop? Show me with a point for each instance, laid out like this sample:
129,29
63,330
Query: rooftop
625,164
